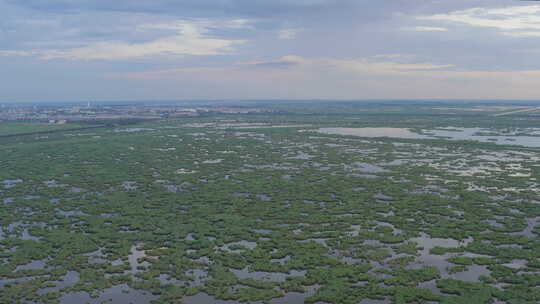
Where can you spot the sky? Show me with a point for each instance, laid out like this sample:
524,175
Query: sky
103,50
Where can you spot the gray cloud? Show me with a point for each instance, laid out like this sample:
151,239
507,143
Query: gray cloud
284,62
195,8
82,42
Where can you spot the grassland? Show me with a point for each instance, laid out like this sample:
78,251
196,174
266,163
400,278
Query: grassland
17,128
266,209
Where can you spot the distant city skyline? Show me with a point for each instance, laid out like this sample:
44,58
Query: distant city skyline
84,50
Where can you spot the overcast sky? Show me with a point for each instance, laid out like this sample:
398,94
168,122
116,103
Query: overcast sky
76,50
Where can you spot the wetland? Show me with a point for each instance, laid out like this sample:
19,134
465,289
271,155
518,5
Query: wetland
330,206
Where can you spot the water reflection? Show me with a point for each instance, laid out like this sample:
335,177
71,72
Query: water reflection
266,276
439,261
296,297
203,298
70,279
374,132
476,134
116,294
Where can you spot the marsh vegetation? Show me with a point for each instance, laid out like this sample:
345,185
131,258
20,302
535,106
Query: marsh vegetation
269,209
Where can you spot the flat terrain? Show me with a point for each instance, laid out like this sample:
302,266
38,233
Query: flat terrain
315,203
16,128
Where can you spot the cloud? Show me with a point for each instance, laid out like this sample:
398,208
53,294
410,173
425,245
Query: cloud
368,66
289,34
285,61
362,65
193,8
427,29
202,46
293,64
338,78
191,38
521,34
19,53
198,25
390,56
518,21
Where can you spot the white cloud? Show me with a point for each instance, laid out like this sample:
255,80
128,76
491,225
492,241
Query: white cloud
179,45
239,24
202,26
19,53
293,64
190,38
390,56
427,29
354,78
364,65
358,65
289,34
518,21
521,34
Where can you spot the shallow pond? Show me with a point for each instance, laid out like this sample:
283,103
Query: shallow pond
374,132
450,134
117,294
296,297
203,298
70,279
266,276
134,259
428,259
